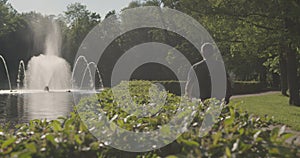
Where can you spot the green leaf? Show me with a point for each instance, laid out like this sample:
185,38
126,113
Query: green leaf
228,152
8,150
31,147
229,121
77,139
51,139
190,143
8,142
56,125
216,137
287,136
241,131
171,156
26,154
274,151
68,123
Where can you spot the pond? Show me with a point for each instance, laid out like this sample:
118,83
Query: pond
23,107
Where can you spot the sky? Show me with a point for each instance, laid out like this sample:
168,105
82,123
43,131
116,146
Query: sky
56,7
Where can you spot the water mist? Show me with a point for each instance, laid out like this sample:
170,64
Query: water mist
49,69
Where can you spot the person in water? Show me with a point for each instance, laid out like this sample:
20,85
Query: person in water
201,75
46,89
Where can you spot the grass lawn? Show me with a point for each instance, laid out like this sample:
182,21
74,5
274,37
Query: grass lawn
274,105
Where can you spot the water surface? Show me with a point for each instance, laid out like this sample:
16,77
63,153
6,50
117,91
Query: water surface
23,107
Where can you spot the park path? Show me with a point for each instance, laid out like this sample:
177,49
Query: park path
295,138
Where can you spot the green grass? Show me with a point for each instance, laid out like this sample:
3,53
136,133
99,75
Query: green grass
274,105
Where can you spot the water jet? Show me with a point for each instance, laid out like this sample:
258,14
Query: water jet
19,77
6,70
88,69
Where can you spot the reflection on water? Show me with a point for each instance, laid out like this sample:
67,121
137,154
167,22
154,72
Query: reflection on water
25,107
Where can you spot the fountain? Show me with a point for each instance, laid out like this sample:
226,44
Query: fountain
45,71
43,84
49,70
21,71
6,70
88,68
76,64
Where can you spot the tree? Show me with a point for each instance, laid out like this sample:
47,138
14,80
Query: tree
253,30
9,19
79,21
12,39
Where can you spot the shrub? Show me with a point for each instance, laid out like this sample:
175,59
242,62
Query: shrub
235,134
174,87
247,87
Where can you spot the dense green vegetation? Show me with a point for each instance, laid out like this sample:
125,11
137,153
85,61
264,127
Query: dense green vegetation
248,87
235,134
239,87
273,105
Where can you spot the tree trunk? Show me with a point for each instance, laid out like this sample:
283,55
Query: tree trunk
283,73
291,64
292,76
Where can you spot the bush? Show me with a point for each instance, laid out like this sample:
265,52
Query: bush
174,87
236,133
248,87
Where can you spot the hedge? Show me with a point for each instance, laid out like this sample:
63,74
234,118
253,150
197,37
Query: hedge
248,87
238,87
235,134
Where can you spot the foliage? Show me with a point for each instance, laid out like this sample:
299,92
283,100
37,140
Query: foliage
12,39
236,133
9,19
252,33
79,22
248,87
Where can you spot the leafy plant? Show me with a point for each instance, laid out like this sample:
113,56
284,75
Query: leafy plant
235,134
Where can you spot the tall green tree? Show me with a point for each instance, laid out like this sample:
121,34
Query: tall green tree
12,40
258,32
80,21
